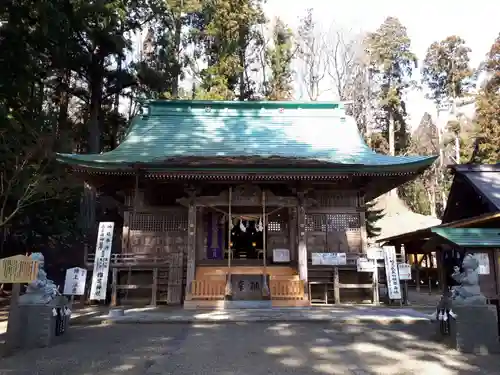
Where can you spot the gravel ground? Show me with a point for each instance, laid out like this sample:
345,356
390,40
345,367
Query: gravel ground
248,349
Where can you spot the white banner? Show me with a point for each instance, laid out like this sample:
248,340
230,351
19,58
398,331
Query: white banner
391,273
101,261
365,265
74,283
328,259
404,270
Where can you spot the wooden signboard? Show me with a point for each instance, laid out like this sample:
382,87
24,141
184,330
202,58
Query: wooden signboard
18,269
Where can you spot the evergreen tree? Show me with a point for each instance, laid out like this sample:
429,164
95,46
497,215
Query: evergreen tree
487,148
372,216
279,58
392,61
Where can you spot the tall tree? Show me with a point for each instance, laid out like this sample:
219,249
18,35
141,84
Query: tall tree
311,48
487,149
279,58
446,72
446,69
230,36
392,61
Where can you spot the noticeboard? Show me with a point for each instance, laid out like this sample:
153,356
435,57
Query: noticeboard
74,283
365,265
18,269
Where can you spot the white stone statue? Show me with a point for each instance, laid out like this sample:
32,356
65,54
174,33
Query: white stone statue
42,290
468,292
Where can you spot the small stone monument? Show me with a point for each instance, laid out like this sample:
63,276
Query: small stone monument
471,325
43,313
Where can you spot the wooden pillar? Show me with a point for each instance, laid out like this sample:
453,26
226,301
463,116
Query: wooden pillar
440,270
496,268
125,232
417,273
336,285
114,286
292,242
376,295
154,287
302,245
191,248
201,251
362,221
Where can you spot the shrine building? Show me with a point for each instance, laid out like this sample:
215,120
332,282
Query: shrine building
225,202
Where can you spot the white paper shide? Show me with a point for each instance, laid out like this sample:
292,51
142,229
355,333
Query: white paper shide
391,273
101,262
74,283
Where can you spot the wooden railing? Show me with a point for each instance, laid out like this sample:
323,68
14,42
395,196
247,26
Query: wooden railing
135,259
287,289
208,289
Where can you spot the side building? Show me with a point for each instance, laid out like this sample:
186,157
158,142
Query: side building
229,200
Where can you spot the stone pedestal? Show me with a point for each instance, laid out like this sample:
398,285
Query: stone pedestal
36,326
475,329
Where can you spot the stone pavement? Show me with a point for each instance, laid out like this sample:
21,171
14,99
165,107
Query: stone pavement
272,348
349,314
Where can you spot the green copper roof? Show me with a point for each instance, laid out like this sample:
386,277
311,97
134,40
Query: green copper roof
175,130
470,237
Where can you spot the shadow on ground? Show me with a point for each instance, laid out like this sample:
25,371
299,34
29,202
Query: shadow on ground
249,349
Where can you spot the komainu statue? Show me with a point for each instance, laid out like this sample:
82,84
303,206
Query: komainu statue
468,292
42,290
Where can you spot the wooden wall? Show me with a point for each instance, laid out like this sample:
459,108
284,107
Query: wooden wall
336,224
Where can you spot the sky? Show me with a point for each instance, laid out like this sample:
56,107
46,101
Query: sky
426,21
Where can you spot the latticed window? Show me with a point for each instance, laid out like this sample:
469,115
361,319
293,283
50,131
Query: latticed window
316,223
332,222
343,222
168,222
274,226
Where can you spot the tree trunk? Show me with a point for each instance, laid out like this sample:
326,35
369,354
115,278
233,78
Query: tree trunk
88,202
177,42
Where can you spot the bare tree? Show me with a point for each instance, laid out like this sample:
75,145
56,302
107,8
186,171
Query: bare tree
312,56
342,54
348,68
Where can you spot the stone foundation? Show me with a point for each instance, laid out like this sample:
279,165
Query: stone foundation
36,326
475,329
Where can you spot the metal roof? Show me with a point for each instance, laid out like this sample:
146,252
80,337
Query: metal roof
174,130
470,237
486,183
425,233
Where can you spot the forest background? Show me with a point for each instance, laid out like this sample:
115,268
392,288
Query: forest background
72,77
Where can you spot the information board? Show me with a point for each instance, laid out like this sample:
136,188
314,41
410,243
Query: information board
18,269
74,283
404,271
365,265
328,259
376,253
391,273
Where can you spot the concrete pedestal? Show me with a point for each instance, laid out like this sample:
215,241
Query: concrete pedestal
475,329
36,326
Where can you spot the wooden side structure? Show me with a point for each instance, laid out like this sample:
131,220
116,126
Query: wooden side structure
188,169
472,203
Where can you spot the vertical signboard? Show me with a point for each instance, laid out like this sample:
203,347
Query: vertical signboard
74,283
101,261
391,273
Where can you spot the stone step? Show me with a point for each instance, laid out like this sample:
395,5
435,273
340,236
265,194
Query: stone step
263,304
